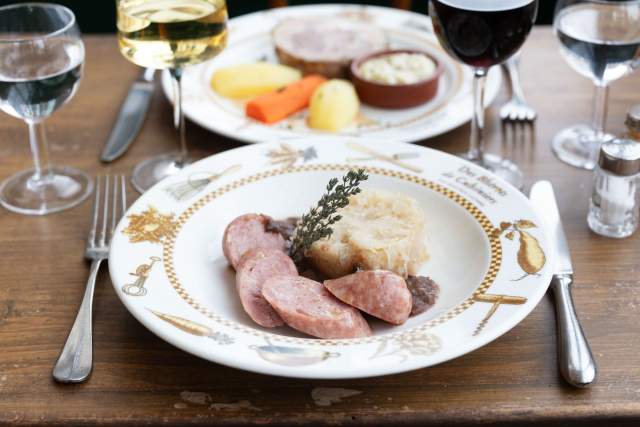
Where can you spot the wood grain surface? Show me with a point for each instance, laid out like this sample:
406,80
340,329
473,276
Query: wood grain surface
140,380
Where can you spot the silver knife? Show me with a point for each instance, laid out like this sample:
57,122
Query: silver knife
131,116
575,359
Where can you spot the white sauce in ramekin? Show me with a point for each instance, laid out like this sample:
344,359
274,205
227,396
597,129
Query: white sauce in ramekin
397,68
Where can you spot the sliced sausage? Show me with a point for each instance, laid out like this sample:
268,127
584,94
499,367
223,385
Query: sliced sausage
308,307
256,266
380,293
249,232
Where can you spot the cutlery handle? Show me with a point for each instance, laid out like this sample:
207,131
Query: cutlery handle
514,76
575,359
76,359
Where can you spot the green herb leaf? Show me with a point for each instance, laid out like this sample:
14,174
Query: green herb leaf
316,224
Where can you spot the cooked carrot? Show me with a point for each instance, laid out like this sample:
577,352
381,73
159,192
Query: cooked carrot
275,106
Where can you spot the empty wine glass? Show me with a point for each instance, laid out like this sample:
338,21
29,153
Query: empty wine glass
481,34
600,39
41,59
170,34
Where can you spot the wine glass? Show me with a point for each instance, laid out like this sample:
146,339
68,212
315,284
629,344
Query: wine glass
41,59
482,34
600,39
170,34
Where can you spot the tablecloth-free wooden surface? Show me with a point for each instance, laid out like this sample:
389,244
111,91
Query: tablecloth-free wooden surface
140,380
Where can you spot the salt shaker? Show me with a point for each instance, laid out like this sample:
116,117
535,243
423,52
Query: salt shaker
613,210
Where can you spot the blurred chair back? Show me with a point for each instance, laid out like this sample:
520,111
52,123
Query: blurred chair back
400,4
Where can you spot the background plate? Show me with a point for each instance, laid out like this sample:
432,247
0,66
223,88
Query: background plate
250,41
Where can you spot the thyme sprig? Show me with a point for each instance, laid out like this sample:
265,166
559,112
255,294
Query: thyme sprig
316,224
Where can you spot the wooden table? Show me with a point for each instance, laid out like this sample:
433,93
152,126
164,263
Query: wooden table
139,379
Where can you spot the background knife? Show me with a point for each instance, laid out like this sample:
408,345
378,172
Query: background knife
575,359
131,116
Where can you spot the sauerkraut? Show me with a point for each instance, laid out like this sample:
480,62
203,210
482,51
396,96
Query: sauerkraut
378,230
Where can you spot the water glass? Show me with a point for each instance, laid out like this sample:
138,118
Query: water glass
41,60
600,39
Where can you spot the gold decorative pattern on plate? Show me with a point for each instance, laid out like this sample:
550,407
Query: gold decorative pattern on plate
361,14
531,257
137,289
291,356
287,156
374,155
496,300
483,221
418,343
196,182
149,226
193,328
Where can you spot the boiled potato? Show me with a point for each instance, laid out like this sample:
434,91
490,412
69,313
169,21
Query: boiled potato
249,80
334,105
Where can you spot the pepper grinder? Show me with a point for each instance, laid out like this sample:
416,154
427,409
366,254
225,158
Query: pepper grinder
613,209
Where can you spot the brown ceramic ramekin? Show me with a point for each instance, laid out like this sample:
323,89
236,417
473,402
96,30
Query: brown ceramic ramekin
395,96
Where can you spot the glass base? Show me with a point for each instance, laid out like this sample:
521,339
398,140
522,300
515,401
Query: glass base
579,146
626,227
62,189
503,168
148,173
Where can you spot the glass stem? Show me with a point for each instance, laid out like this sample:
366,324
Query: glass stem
600,104
475,153
178,114
40,150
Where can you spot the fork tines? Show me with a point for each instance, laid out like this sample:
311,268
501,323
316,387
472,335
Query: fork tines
518,113
109,205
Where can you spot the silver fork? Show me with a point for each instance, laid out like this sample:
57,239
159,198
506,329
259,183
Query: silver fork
517,109
76,359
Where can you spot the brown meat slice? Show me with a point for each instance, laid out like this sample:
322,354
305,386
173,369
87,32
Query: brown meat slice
285,227
424,292
308,307
380,293
249,232
316,45
256,266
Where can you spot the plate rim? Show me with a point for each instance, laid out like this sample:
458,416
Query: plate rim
184,343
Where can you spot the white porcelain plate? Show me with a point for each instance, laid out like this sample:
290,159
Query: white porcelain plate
250,41
488,254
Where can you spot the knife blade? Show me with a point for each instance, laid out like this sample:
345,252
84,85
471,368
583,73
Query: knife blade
130,118
575,359
545,203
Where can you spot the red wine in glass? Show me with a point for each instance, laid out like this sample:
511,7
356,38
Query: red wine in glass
482,33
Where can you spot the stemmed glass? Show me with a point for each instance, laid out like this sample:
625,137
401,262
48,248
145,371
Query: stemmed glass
600,39
481,34
41,59
170,34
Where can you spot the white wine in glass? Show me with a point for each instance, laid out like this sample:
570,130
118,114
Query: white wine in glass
170,34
